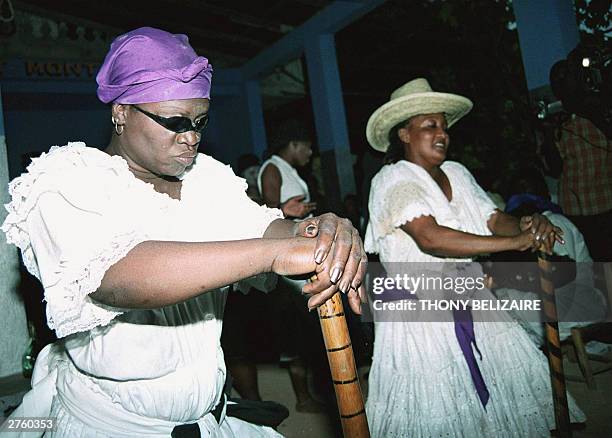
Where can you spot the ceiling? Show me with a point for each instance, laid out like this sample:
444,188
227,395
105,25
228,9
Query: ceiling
231,32
461,45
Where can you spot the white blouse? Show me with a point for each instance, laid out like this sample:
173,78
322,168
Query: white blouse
77,211
292,183
403,191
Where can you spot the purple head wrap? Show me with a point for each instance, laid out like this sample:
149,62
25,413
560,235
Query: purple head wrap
152,65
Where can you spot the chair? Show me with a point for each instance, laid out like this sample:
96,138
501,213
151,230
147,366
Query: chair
582,335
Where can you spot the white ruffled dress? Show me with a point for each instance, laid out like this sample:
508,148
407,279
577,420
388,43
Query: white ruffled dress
419,383
114,372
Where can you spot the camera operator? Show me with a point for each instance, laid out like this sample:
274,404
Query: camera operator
582,137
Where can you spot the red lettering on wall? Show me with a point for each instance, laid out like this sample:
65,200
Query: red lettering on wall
34,68
53,69
56,69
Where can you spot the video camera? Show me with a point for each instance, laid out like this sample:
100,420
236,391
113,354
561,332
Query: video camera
582,85
546,110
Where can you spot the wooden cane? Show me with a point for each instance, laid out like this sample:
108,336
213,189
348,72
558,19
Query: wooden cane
343,369
553,344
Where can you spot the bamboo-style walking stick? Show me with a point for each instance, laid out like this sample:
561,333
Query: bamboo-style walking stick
343,368
553,344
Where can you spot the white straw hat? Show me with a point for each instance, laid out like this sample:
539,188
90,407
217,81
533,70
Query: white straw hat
411,99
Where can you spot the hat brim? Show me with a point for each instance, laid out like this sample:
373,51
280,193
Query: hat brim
397,110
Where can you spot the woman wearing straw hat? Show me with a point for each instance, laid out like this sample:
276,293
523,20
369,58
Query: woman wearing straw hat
134,245
425,379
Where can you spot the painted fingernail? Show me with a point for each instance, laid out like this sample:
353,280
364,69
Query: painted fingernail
344,286
335,275
319,256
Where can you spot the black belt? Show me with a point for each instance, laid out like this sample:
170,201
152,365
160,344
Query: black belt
192,430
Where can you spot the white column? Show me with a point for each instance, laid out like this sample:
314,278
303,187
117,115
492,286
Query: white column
13,332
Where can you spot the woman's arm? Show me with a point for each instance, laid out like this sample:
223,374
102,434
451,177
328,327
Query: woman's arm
156,273
271,181
502,224
438,240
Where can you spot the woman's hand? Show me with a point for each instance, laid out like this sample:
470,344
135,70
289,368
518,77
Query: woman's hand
296,207
524,241
545,233
340,257
294,257
528,240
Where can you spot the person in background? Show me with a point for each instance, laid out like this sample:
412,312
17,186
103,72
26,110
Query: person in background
530,188
585,185
579,302
550,162
242,324
282,187
278,181
135,245
245,325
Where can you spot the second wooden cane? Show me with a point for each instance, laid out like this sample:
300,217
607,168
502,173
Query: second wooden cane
553,344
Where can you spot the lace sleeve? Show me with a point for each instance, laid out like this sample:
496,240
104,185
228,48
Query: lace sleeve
403,202
393,202
67,245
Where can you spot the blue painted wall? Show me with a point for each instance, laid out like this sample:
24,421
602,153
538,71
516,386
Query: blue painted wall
35,131
35,121
228,136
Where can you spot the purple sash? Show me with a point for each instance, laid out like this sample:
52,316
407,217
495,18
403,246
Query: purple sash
464,331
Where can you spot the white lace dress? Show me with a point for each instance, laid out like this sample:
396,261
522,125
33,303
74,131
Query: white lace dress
419,383
119,373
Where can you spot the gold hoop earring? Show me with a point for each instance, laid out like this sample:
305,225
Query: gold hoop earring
117,126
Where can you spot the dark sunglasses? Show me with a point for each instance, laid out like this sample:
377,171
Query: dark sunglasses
177,124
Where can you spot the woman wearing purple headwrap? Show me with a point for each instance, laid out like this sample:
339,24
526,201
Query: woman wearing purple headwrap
134,246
